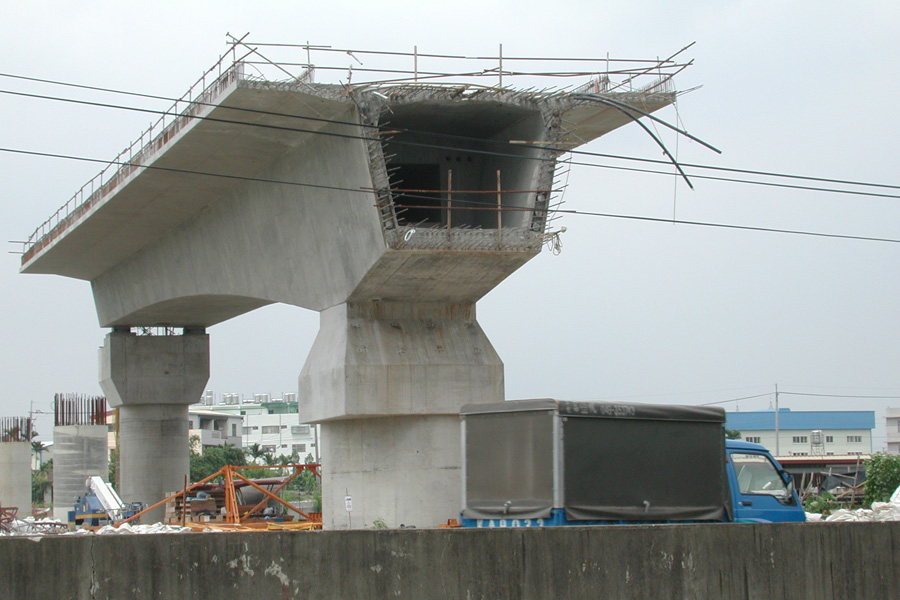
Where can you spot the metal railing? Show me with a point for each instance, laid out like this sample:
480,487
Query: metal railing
139,152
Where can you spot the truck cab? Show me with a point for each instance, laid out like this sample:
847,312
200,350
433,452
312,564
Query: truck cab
761,490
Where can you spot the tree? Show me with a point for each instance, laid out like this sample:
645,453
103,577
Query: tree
882,477
732,434
41,480
114,468
209,460
38,447
255,451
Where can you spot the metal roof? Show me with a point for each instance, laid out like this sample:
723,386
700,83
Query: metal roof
764,420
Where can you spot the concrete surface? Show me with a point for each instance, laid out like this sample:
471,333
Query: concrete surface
152,380
397,470
386,381
79,452
15,476
829,561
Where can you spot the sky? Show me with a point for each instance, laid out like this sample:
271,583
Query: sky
630,309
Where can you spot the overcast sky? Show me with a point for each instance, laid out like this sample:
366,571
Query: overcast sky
654,312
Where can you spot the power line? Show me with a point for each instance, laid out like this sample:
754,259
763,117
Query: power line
837,395
469,202
736,399
729,226
465,138
186,171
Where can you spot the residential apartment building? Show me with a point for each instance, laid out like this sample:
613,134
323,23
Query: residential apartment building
271,423
805,433
213,428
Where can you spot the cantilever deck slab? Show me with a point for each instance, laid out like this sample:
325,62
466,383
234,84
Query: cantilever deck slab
261,165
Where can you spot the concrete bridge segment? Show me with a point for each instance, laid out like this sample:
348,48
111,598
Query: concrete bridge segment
384,217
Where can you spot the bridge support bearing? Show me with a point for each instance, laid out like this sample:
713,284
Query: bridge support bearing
386,380
152,380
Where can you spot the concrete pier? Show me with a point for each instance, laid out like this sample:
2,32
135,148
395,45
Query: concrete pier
152,380
15,476
387,380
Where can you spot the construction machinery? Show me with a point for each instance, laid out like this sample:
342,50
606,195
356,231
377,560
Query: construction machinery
100,505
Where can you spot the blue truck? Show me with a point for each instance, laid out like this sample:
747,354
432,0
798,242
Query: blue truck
549,462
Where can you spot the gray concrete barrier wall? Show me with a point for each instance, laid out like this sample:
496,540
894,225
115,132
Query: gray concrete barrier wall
837,561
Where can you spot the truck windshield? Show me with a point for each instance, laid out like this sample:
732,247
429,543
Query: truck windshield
757,475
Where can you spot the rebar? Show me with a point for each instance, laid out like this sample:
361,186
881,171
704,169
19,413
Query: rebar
77,409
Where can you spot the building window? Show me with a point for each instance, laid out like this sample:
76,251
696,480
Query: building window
284,426
753,439
854,453
234,430
298,448
270,429
799,453
299,429
829,439
800,439
854,439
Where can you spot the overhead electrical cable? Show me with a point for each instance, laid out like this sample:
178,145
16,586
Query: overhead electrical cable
467,138
442,147
835,395
736,399
487,205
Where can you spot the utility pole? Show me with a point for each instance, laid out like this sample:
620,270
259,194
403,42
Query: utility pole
777,434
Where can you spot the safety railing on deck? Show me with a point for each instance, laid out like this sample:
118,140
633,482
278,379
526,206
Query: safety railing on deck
139,152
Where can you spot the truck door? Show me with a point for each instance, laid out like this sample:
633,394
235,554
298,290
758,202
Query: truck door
758,491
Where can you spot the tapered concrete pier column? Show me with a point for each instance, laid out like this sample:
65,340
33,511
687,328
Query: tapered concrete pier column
152,380
386,380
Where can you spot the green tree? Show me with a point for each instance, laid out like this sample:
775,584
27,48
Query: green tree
41,480
114,468
38,448
255,451
882,477
209,460
732,434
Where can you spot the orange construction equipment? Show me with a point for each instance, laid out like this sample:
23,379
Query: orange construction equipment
233,514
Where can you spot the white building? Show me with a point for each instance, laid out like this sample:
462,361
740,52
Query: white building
271,423
804,433
214,428
892,424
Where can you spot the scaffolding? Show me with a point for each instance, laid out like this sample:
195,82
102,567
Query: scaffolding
236,516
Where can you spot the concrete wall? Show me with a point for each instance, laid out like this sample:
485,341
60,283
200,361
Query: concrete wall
822,561
80,451
15,476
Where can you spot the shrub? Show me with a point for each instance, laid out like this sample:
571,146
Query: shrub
882,477
823,504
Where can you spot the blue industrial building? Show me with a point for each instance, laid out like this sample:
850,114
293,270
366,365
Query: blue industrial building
800,433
